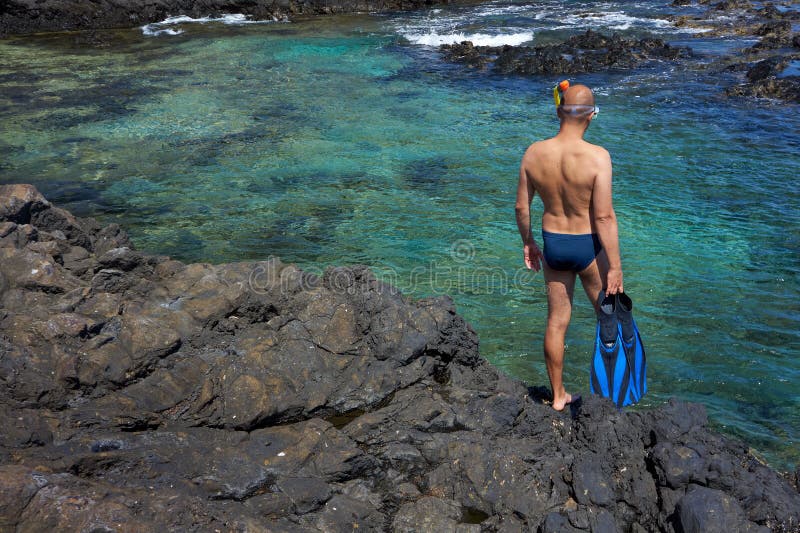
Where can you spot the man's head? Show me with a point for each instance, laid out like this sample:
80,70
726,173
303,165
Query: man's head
577,105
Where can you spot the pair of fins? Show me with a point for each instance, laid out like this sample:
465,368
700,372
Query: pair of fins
619,365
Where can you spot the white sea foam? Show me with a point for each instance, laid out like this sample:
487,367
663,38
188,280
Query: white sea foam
494,10
615,20
163,27
692,30
478,39
153,32
486,24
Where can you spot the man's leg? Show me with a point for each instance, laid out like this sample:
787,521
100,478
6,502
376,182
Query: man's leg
560,289
593,277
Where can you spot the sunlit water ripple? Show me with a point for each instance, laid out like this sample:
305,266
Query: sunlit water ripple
347,140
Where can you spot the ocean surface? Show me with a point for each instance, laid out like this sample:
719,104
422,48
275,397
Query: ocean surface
348,140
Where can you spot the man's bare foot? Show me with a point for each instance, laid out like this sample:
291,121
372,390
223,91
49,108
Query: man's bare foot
560,403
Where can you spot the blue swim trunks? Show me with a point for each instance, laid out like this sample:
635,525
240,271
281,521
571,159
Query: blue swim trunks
564,251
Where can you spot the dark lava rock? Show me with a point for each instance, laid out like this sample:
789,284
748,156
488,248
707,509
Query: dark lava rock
465,52
774,34
767,68
765,61
763,81
139,393
787,89
771,12
30,16
729,5
774,28
588,52
704,510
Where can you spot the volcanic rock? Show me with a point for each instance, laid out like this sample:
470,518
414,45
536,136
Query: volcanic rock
588,52
763,81
30,16
728,5
765,61
465,52
138,393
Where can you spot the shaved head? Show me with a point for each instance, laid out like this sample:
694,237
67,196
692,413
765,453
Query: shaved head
578,95
577,104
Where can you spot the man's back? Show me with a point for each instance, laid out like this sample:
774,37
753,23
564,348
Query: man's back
579,227
563,173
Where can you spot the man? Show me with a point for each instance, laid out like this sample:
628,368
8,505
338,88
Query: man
579,227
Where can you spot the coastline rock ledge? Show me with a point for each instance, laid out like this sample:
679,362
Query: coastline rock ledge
138,393
31,16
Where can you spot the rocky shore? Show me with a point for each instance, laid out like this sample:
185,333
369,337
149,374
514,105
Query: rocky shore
32,16
589,52
762,65
138,393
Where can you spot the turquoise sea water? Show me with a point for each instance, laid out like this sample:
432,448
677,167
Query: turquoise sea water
347,140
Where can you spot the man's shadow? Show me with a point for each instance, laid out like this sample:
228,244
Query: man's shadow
542,395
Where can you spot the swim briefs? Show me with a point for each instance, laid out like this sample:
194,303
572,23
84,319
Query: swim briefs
565,251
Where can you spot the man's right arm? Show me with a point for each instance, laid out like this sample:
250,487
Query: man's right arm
605,220
531,253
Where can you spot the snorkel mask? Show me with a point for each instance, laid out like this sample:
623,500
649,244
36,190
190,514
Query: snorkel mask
558,98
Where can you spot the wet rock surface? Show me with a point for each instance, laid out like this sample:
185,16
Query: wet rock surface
139,393
764,63
30,16
765,79
762,66
588,52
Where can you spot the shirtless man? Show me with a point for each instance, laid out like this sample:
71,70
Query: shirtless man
579,227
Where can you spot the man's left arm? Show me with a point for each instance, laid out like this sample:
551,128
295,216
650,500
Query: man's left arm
525,192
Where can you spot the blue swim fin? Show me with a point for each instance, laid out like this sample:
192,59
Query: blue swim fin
632,342
612,373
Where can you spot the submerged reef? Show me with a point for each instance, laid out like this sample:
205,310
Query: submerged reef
774,29
138,393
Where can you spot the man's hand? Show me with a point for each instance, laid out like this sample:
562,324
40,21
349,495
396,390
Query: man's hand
533,256
614,281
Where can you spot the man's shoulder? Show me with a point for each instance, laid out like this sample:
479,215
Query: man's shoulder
535,144
597,150
538,146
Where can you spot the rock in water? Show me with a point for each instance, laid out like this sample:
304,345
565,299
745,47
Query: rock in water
588,52
763,81
142,394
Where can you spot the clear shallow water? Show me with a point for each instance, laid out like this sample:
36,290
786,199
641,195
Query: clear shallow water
340,141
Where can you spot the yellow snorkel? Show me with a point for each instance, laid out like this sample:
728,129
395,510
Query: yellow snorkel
558,91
